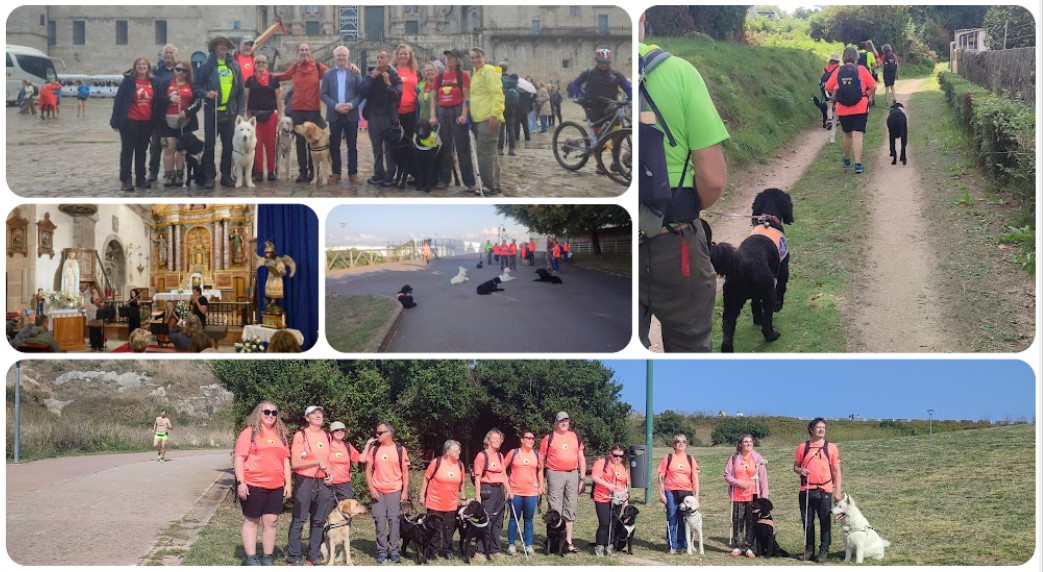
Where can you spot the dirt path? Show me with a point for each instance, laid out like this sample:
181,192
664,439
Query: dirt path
726,217
896,306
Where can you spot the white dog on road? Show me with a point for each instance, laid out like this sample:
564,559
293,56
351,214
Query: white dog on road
859,537
244,142
506,275
460,278
693,522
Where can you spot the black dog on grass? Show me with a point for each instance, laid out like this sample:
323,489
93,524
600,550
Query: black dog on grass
421,531
823,107
897,128
764,543
472,523
759,269
556,543
546,276
623,529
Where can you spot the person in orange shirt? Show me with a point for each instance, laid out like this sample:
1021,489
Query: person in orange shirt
342,455
678,478
565,252
261,461
490,480
747,476
852,117
611,477
443,493
512,251
561,456
556,256
524,481
505,252
310,458
387,475
524,251
817,461
496,253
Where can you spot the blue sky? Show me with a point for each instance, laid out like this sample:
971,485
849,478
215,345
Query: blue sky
982,389
377,225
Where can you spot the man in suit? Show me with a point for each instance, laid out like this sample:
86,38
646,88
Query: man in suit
342,91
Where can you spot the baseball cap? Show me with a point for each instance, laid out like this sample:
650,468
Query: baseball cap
834,57
337,426
247,40
561,415
312,408
454,53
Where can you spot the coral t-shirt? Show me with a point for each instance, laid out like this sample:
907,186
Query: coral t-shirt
868,86
523,480
615,473
563,452
743,469
443,486
387,472
342,455
680,475
512,249
495,472
819,474
311,446
265,456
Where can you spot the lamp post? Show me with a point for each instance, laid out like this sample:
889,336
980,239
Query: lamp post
930,418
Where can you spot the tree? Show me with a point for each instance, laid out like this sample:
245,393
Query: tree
729,429
719,22
668,21
1009,27
574,220
670,423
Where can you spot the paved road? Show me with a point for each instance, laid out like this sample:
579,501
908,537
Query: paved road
102,509
71,157
590,312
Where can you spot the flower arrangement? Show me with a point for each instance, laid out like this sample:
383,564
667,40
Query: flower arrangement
60,299
252,345
181,309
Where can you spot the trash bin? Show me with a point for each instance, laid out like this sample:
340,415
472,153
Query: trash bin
638,467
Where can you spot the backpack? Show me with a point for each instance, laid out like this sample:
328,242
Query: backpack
511,97
485,467
890,63
398,449
654,190
253,440
863,59
592,483
670,460
507,464
849,86
807,451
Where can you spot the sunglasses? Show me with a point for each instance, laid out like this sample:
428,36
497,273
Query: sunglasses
529,437
180,70
270,412
620,456
379,433
260,62
680,442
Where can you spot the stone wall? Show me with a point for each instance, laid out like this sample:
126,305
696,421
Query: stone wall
1009,72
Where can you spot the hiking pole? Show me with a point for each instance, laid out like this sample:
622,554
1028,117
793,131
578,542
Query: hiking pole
833,120
521,531
474,157
805,517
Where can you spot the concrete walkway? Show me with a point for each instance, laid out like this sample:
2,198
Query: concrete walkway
103,509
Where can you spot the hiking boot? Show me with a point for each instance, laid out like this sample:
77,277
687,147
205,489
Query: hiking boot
271,177
847,162
258,176
375,179
809,553
395,559
153,176
334,178
599,550
142,184
301,178
499,152
179,178
736,552
267,560
859,169
227,181
609,550
355,179
168,178
529,551
511,550
381,559
511,152
126,186
252,561
823,556
208,183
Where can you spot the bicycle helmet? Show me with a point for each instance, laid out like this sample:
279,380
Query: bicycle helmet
603,55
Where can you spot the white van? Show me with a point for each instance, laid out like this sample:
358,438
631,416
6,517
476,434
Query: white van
105,85
28,64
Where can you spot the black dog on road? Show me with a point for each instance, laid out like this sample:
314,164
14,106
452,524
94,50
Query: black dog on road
420,530
546,276
472,523
897,128
556,543
759,269
490,286
764,543
623,529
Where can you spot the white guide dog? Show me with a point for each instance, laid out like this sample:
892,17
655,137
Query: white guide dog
244,142
859,537
506,275
461,277
693,522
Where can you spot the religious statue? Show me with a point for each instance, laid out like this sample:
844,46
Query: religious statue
237,247
161,248
277,267
200,257
71,275
18,239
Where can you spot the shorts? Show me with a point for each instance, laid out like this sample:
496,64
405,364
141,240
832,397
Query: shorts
78,98
161,437
261,501
889,79
851,123
167,131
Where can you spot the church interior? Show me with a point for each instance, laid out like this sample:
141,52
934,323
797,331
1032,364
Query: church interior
194,277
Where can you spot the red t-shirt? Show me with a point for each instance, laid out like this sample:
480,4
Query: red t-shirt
265,456
185,91
449,93
443,487
141,107
868,86
409,82
246,65
512,249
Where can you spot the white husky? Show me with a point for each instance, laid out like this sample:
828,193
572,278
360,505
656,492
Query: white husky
693,522
506,275
859,537
461,277
244,142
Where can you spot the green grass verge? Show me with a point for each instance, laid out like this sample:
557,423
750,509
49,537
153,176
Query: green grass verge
615,263
916,491
827,241
352,321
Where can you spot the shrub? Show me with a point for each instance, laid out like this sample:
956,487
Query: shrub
729,429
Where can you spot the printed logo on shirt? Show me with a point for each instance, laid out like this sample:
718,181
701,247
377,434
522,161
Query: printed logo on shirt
525,461
492,465
564,445
224,72
318,445
271,441
680,466
339,454
383,457
452,474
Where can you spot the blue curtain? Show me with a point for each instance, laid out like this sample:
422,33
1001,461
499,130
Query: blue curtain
294,230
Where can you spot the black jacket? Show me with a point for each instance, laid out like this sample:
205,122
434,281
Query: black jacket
206,80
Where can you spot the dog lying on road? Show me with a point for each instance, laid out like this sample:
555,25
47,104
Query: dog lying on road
693,522
490,286
759,269
764,543
859,538
338,532
460,278
897,128
546,276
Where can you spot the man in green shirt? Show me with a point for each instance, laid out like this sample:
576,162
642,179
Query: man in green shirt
677,282
220,81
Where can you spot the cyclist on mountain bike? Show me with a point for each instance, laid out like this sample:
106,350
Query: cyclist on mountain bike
599,85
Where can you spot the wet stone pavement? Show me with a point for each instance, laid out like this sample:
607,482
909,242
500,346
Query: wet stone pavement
79,157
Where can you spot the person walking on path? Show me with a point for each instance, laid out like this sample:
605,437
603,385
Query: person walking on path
817,462
561,456
161,433
850,85
746,473
387,476
262,475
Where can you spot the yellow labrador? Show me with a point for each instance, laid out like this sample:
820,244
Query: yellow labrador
319,145
339,532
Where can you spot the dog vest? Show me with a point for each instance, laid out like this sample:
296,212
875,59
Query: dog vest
775,235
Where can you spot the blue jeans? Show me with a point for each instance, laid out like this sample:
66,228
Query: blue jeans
526,507
543,124
554,264
532,121
675,536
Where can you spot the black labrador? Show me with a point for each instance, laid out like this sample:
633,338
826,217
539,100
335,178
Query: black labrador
556,543
897,128
472,523
419,530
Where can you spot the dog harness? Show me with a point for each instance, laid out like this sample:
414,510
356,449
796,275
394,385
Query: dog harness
318,149
764,229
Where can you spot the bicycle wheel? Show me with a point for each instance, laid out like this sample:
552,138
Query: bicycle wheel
615,156
571,145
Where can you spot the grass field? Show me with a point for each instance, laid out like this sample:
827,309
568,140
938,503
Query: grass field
357,320
615,263
941,500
